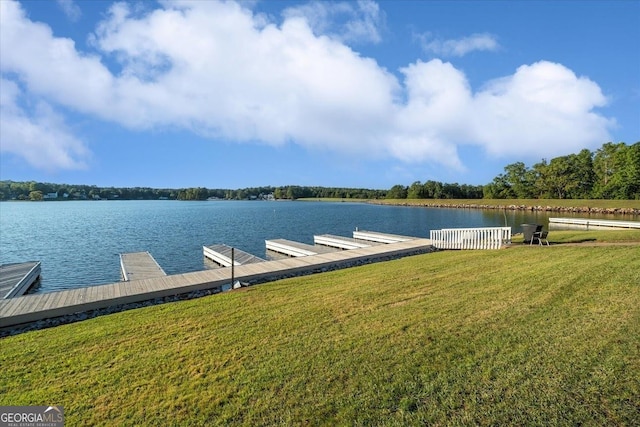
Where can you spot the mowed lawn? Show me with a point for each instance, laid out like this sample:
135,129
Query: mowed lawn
519,336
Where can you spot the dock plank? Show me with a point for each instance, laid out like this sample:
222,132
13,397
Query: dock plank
374,236
221,255
340,242
17,278
29,308
295,249
139,265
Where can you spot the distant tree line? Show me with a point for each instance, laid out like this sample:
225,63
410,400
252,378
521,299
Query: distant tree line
611,172
31,190
290,192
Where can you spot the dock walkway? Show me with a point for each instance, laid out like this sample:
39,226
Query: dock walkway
32,308
340,242
16,279
374,236
295,249
595,224
139,265
221,255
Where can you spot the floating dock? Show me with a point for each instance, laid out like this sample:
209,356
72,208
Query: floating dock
374,236
295,249
35,307
221,255
139,265
339,242
16,279
595,224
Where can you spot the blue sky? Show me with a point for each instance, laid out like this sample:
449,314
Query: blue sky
348,94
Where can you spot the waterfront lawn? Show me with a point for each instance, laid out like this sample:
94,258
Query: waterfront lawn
591,236
522,336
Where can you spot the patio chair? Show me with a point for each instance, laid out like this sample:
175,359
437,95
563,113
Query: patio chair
540,236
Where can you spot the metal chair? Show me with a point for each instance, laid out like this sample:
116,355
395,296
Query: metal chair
540,236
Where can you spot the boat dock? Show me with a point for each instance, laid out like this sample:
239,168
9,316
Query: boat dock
16,279
295,249
139,265
374,236
340,242
594,224
35,307
222,255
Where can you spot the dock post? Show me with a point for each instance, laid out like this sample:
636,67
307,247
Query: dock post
232,267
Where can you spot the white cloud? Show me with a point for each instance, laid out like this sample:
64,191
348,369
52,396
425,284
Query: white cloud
543,109
459,47
41,138
219,70
71,9
360,21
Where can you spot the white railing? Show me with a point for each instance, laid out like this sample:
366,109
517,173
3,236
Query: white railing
470,238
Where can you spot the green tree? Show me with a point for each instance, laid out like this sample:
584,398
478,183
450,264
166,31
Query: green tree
519,179
584,174
416,191
631,173
35,195
397,192
433,190
609,164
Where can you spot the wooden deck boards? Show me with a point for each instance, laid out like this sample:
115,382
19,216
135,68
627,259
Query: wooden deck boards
139,265
29,308
221,255
374,236
296,249
17,278
340,242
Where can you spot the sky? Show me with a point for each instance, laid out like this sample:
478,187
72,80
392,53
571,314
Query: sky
360,94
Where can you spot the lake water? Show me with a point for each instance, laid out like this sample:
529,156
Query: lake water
78,242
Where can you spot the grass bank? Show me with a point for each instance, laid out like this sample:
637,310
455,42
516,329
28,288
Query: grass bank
551,203
559,203
522,336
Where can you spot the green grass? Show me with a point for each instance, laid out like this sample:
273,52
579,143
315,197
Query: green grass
593,236
523,336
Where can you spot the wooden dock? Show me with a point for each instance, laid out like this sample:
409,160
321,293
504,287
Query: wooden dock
221,255
594,224
139,265
35,307
340,242
295,249
374,236
16,279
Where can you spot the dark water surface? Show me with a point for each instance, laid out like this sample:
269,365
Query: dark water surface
78,242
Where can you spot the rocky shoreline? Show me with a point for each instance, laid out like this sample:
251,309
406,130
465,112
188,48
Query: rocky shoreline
539,208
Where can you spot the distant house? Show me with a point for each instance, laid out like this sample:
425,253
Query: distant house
50,196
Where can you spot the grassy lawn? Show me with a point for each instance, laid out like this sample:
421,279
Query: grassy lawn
522,336
593,236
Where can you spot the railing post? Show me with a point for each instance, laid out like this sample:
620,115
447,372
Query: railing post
233,267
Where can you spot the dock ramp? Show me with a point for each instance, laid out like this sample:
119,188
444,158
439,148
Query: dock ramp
222,255
139,265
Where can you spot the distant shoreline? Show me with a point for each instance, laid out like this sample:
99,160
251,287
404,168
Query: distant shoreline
513,207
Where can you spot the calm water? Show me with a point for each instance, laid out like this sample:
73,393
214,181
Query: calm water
78,242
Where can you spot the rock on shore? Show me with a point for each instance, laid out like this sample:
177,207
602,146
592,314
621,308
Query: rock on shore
540,208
